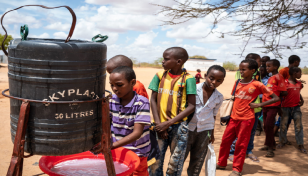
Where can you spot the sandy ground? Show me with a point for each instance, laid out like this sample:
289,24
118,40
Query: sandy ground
287,162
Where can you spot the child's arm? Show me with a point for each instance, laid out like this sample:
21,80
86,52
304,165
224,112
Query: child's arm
274,99
154,107
136,134
191,100
212,136
301,102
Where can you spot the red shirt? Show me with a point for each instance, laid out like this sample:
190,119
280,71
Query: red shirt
197,77
245,94
293,97
276,84
285,73
140,90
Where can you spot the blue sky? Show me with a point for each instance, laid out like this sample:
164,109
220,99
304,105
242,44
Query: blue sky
132,26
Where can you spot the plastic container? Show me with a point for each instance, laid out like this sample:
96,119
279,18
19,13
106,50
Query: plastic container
120,155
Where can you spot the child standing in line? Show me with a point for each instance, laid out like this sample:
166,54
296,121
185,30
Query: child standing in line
121,60
198,76
243,117
201,126
173,99
277,85
130,114
264,59
291,108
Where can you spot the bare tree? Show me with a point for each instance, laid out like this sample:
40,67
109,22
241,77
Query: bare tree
269,21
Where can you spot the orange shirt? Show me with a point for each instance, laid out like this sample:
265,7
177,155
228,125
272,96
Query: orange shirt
276,84
140,90
245,94
285,72
293,97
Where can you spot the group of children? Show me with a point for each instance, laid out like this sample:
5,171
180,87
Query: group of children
184,112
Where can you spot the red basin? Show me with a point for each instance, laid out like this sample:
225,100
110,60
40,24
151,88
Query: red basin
120,155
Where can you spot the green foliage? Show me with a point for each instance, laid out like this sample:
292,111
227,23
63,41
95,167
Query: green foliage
231,66
6,42
304,70
158,61
135,61
198,56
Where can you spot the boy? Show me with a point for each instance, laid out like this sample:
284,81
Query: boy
242,116
264,59
294,61
130,115
201,126
256,76
277,85
173,99
121,60
198,76
291,108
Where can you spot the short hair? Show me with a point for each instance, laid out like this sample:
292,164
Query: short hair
293,70
253,56
120,60
266,57
252,64
294,58
275,62
198,70
179,53
128,72
216,67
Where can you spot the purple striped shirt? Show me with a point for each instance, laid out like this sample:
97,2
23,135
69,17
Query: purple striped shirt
124,118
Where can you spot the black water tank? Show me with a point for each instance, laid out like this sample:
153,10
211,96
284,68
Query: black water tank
49,69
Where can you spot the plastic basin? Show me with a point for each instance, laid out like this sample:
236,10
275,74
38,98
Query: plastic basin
120,155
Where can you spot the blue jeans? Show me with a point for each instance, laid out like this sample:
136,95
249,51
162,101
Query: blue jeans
277,123
252,137
177,141
296,114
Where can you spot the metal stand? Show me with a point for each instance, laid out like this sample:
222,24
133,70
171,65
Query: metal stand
16,165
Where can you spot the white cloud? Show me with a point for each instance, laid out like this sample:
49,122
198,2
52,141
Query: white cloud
144,40
60,35
58,26
44,35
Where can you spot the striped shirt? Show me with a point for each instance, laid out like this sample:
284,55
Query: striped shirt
124,118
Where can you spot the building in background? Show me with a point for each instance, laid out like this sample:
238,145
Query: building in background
192,64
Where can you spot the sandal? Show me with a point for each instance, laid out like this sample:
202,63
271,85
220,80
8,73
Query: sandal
270,154
235,173
302,149
280,145
253,157
264,148
231,157
220,167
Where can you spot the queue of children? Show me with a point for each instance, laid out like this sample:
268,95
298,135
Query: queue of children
184,112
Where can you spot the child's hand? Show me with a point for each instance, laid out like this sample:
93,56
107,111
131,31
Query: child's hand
302,81
163,135
301,103
254,105
96,149
162,126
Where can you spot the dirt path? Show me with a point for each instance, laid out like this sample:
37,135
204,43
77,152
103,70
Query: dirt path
288,161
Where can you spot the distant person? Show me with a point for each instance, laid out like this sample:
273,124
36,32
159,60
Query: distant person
198,76
256,76
243,116
277,85
173,99
201,126
264,59
121,60
130,117
291,108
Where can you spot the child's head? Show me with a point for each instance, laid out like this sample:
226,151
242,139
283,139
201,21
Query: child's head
174,58
272,65
198,70
117,61
255,57
122,80
215,76
295,72
294,60
263,71
248,67
264,59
